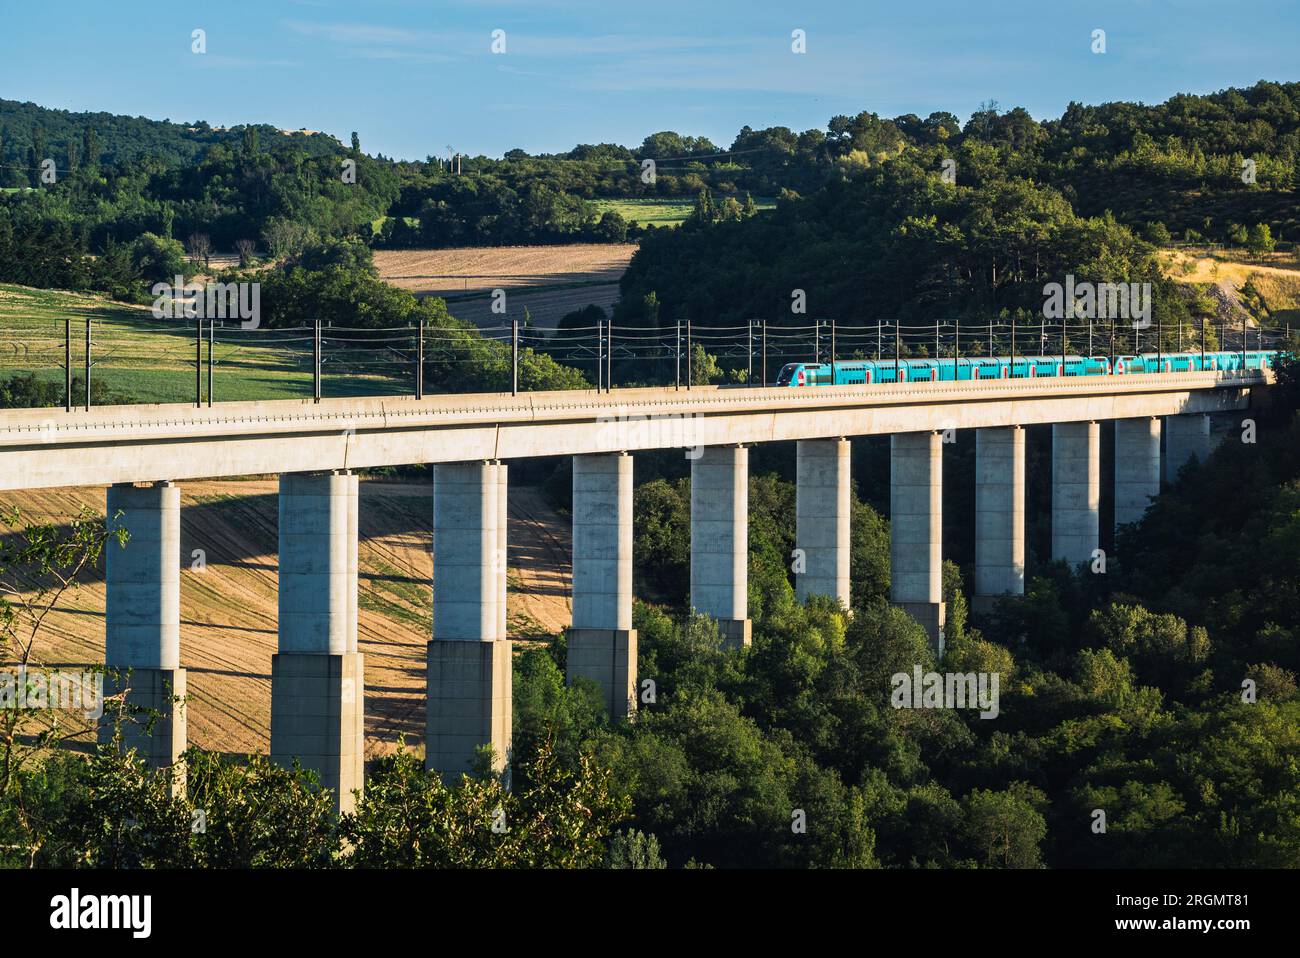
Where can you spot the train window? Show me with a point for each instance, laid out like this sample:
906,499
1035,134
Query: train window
786,374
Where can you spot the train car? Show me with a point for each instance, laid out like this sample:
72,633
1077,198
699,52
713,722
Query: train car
858,372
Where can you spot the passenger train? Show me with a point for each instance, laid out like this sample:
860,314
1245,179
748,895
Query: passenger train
861,371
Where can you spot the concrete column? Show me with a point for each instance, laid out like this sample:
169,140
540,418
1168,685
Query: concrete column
1076,491
318,676
1187,438
822,508
469,664
999,514
916,529
602,642
720,539
1137,467
142,649
503,547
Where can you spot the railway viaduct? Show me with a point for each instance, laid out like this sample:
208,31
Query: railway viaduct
316,448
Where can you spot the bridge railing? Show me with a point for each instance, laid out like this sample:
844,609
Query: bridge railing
95,360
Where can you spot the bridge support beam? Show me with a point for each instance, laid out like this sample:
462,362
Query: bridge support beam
999,515
1137,467
1187,438
318,676
822,504
720,539
602,642
916,529
469,664
1076,491
142,624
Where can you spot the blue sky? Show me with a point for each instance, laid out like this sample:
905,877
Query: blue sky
415,76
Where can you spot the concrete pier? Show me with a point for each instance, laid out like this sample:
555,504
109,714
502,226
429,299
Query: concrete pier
1137,467
318,676
602,642
999,514
142,651
720,539
916,529
822,510
1187,439
1076,491
469,663
503,547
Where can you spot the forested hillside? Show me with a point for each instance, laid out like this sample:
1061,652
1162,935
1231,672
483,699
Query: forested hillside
927,219
30,131
1173,170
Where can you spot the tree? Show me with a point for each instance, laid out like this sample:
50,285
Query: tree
612,228
40,562
247,250
1259,239
634,849
1004,828
200,247
157,258
410,818
90,148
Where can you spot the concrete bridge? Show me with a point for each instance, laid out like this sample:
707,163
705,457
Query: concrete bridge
317,676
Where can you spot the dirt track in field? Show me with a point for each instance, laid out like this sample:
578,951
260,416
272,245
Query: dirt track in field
229,611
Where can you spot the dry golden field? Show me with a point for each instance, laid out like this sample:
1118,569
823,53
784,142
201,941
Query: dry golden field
549,280
229,611
1275,278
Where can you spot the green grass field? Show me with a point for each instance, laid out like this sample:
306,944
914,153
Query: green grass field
662,212
141,359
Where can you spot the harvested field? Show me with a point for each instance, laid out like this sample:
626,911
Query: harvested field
549,281
229,611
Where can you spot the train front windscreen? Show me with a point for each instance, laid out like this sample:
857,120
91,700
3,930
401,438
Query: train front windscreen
786,374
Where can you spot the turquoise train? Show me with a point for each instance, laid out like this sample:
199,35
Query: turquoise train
867,371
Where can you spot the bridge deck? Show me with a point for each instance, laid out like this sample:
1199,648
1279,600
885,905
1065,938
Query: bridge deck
46,448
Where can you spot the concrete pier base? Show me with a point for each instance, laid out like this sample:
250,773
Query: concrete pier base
1076,491
318,677
469,660
916,529
720,540
318,718
142,623
470,705
608,658
1187,439
822,502
999,515
1137,467
155,723
602,642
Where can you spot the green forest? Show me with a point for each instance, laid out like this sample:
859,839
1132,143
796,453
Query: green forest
1110,180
